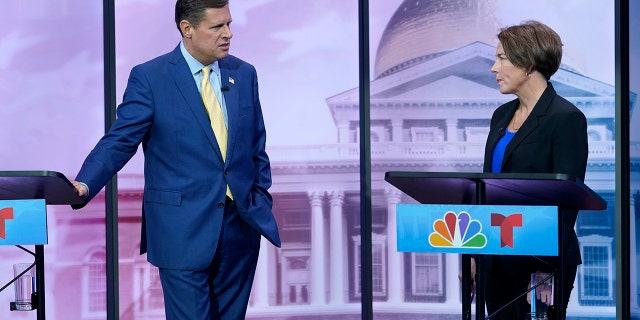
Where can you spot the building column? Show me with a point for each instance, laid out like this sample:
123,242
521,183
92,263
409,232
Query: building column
337,247
452,130
452,285
395,258
260,290
317,250
396,131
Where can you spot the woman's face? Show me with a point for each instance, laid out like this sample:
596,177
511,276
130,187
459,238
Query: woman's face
509,77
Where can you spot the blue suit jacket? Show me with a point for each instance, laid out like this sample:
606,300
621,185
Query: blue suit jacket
185,176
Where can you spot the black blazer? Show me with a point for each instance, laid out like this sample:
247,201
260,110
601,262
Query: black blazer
553,139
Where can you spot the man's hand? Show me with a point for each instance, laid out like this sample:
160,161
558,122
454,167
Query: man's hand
81,188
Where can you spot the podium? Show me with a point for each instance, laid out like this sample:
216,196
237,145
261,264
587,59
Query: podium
52,188
520,189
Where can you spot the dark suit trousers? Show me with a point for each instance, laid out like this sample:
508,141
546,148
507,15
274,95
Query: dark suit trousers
222,290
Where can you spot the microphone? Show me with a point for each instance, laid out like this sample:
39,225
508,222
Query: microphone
224,88
501,132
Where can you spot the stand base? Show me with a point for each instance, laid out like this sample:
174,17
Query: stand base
34,304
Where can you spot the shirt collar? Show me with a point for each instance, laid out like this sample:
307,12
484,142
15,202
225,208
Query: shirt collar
194,65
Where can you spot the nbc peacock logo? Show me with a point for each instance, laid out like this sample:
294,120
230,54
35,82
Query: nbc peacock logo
458,231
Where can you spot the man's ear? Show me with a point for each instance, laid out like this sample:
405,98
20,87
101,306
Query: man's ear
186,28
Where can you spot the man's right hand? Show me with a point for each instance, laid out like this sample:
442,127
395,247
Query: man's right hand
81,188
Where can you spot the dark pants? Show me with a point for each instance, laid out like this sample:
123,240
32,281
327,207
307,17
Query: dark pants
509,277
221,291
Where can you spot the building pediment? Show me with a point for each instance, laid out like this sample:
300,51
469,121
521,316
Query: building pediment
440,90
464,73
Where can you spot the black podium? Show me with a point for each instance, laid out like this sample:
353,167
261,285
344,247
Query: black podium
560,190
55,189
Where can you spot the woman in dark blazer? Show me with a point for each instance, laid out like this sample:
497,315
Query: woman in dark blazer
538,132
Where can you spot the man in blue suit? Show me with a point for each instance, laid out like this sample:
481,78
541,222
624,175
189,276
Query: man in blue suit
205,206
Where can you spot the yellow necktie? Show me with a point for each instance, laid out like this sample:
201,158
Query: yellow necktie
215,112
215,115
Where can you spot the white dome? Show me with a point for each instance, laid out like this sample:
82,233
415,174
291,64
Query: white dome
421,29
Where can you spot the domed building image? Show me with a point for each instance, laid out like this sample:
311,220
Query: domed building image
432,96
431,99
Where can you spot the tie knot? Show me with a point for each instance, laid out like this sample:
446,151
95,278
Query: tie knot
205,71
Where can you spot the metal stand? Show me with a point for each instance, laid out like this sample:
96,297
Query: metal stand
37,300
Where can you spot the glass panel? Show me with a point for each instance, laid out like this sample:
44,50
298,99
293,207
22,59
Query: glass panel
303,61
51,111
634,141
155,34
432,97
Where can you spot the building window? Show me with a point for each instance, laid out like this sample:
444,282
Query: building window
298,280
378,268
426,278
476,134
380,131
596,272
426,134
296,276
424,281
598,221
599,132
594,220
94,277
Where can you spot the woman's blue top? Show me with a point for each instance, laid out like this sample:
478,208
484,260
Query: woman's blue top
498,152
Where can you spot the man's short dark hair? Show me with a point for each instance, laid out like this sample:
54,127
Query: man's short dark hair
193,10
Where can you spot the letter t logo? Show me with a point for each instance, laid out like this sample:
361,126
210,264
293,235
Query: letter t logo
5,214
506,225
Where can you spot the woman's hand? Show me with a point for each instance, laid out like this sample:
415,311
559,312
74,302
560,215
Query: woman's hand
544,291
473,275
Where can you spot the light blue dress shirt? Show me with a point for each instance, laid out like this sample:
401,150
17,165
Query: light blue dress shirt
214,78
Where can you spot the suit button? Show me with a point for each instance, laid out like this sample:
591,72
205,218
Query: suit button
220,205
226,172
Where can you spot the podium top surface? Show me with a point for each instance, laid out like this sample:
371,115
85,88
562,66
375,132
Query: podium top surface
544,189
52,186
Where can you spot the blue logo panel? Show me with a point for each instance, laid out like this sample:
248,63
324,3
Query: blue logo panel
478,229
23,222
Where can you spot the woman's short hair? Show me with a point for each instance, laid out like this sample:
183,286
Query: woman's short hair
532,45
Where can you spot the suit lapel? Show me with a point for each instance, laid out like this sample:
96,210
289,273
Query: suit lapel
492,140
183,79
534,120
229,79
